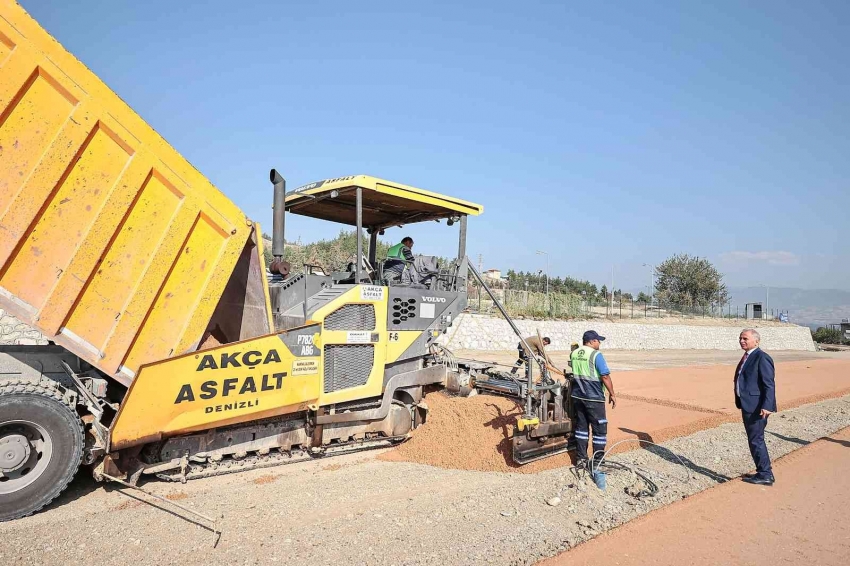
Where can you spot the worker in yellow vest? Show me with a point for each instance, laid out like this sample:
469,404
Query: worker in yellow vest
591,377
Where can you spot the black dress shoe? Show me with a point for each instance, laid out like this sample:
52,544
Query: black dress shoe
760,480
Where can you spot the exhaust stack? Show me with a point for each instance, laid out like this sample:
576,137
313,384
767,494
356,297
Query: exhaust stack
278,206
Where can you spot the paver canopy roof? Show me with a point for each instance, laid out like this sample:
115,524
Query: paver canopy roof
384,203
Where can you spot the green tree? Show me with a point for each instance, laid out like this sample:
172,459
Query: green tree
330,255
642,297
557,285
688,280
828,336
267,253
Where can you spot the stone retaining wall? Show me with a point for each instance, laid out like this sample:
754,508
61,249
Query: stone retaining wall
480,332
13,331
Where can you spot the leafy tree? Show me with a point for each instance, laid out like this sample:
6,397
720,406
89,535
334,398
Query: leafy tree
603,292
828,336
557,285
688,280
331,255
642,297
267,253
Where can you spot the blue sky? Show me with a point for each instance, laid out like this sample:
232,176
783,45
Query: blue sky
613,133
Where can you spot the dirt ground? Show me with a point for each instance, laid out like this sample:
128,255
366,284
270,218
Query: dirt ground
444,441
803,518
360,509
653,404
627,360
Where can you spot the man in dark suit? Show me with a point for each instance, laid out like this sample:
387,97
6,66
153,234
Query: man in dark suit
755,395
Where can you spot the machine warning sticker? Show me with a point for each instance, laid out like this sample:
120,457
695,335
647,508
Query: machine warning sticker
371,293
361,337
305,367
427,310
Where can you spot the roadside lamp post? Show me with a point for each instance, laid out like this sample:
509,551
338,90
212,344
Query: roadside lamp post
651,280
547,270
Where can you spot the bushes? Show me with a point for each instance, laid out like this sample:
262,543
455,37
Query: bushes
829,336
529,304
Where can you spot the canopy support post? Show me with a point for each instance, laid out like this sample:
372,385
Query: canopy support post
461,249
358,263
373,247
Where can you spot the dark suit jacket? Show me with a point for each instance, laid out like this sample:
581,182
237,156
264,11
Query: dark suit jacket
758,390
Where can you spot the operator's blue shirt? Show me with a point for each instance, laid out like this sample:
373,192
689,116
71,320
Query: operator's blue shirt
602,365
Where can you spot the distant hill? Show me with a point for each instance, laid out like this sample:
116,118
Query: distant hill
810,307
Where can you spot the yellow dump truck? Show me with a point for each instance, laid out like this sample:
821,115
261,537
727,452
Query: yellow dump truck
167,348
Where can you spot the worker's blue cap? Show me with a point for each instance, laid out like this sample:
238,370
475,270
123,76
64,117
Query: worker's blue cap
591,335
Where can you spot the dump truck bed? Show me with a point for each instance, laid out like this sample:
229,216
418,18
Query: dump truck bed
111,243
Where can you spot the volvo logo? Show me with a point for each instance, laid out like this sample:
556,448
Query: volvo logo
434,299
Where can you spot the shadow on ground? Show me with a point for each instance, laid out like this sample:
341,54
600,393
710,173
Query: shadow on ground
799,441
504,422
845,443
673,458
80,486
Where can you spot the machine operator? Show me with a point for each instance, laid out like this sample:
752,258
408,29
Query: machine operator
398,258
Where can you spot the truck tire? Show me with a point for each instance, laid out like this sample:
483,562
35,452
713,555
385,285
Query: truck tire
41,445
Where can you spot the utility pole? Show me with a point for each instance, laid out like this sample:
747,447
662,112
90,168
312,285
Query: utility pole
612,291
766,300
480,263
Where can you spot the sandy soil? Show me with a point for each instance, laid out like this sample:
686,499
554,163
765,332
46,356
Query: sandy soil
622,360
803,518
360,510
444,441
711,387
654,405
